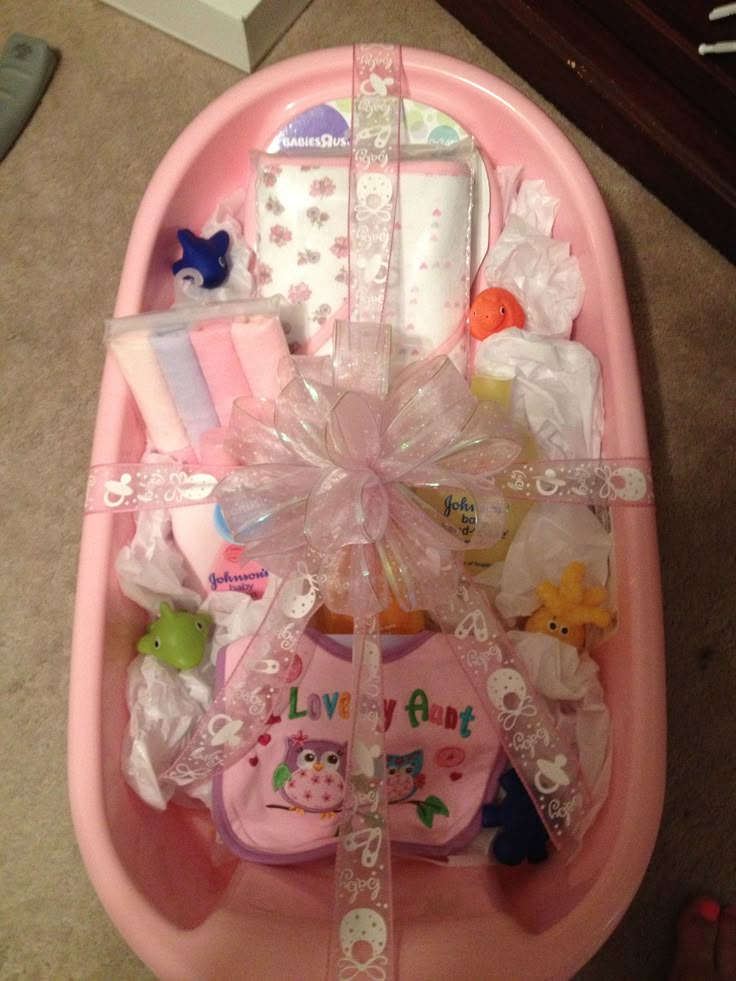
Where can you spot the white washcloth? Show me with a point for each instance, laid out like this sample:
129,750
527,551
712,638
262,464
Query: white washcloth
557,392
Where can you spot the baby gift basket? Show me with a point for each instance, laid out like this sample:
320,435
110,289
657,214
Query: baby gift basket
367,672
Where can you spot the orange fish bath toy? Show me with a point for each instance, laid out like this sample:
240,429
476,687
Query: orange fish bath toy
493,310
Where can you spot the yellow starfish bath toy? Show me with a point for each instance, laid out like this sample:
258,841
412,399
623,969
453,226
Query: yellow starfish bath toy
568,608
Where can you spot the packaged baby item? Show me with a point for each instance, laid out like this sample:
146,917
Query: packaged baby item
302,243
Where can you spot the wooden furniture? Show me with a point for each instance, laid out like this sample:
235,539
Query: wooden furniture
628,73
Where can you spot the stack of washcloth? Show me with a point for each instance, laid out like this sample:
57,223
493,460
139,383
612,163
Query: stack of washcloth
186,368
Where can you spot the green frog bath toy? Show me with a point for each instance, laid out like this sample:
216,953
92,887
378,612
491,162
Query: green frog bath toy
179,638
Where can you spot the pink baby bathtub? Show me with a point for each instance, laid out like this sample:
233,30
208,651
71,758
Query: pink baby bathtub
188,916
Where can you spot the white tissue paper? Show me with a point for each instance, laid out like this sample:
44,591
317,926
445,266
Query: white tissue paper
151,569
240,283
536,268
507,178
535,206
569,681
165,706
549,538
557,392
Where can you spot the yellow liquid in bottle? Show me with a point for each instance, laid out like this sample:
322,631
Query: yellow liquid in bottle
459,510
497,389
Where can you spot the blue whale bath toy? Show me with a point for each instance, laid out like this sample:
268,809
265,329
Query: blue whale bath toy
204,260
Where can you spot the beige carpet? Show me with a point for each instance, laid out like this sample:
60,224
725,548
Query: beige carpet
68,194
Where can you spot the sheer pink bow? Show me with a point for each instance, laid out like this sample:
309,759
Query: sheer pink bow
359,481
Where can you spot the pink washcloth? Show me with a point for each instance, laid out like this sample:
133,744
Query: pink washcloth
261,344
140,368
218,359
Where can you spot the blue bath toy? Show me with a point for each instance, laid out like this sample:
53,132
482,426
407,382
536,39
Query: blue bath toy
522,833
204,259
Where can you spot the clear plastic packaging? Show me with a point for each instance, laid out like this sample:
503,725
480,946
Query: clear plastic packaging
300,206
186,366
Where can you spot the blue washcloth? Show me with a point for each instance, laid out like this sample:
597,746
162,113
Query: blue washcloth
187,385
